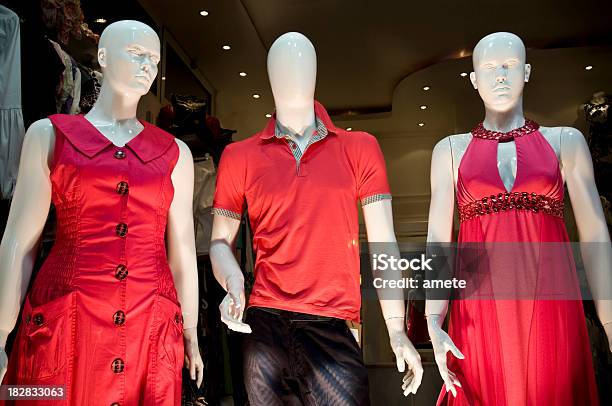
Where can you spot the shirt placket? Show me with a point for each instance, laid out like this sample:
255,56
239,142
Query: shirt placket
121,270
319,134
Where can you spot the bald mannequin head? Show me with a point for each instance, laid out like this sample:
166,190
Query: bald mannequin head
292,69
128,53
500,71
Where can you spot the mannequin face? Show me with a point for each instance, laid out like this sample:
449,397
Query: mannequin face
128,53
500,71
292,69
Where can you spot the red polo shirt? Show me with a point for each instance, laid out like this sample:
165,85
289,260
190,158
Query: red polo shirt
303,213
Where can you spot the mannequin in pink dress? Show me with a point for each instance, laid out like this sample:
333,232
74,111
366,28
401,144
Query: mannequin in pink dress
509,175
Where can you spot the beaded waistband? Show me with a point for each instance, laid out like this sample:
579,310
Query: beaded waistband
511,201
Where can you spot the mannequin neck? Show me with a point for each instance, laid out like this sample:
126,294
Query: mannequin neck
296,118
114,106
504,121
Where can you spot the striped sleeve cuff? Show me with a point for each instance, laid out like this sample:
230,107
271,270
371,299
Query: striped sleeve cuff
226,213
375,198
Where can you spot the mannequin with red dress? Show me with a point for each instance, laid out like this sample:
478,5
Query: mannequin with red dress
112,313
508,175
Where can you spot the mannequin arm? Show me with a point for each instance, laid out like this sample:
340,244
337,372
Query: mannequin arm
440,222
26,220
592,229
182,257
227,271
223,237
440,230
378,218
181,239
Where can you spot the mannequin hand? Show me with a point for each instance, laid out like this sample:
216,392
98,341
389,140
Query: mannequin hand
608,329
405,353
193,359
3,363
232,306
442,343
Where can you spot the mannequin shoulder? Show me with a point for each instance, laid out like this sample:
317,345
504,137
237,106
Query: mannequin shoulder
452,143
40,133
42,128
566,137
184,151
357,140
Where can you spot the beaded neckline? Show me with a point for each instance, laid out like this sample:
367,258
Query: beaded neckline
480,132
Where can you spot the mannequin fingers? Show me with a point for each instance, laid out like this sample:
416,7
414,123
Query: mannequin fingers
192,370
418,378
450,387
200,373
409,374
454,379
237,325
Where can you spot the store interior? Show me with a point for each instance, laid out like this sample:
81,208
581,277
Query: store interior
396,69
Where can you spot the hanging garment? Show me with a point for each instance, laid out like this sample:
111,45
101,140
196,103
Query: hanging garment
523,346
102,316
12,129
91,82
68,92
205,176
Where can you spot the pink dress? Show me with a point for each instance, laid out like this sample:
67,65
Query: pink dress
523,330
102,316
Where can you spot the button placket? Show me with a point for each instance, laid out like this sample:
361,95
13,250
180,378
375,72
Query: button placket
119,317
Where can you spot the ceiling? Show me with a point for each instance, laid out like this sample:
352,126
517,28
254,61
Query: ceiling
365,48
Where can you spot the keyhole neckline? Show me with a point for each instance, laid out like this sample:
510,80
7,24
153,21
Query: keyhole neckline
481,132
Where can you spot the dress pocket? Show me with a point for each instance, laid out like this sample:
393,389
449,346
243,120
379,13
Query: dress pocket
171,350
46,339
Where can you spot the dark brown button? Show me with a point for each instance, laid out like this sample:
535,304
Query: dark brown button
117,365
122,188
38,319
121,229
121,272
177,318
119,154
119,318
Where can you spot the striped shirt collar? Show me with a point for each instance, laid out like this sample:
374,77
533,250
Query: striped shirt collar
323,123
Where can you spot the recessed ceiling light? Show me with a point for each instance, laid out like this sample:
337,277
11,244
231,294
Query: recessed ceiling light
463,74
203,13
423,107
256,96
426,88
421,124
349,128
227,47
243,74
269,115
588,67
100,20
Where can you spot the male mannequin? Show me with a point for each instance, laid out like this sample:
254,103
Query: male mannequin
290,176
128,54
499,75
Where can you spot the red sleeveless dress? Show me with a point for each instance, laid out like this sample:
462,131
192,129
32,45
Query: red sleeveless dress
521,326
102,316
